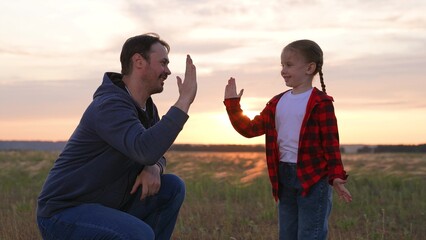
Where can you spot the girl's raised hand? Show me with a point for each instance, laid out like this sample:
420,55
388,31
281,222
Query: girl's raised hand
231,89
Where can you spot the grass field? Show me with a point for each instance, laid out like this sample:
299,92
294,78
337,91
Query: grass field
228,196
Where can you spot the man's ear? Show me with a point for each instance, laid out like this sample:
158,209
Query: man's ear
311,68
138,61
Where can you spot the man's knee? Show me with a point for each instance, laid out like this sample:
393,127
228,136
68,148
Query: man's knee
175,185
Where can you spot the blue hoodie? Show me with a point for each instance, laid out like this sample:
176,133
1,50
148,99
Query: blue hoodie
107,150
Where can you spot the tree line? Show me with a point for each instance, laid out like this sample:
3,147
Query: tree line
393,148
59,145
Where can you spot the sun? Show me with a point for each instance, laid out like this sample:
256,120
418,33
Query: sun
250,114
248,110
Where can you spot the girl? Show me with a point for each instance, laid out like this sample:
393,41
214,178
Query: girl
302,143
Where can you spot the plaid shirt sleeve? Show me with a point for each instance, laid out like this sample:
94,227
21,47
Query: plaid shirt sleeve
261,124
319,149
241,123
330,141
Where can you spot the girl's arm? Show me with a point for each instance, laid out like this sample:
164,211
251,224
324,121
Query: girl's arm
330,143
241,123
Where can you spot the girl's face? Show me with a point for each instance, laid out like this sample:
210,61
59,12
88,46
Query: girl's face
296,71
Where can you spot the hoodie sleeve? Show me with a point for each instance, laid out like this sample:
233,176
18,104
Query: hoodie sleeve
117,123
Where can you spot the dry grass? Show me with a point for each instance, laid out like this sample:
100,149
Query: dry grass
228,196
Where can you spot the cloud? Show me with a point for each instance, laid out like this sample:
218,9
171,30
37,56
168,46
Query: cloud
55,52
44,99
15,51
355,104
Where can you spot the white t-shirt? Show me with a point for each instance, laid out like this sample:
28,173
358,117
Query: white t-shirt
289,115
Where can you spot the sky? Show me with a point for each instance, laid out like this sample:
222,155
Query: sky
53,54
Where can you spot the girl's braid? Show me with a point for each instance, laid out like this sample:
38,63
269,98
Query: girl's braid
321,78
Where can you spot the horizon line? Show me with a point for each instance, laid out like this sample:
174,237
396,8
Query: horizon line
254,144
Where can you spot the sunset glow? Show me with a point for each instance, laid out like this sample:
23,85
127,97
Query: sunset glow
53,55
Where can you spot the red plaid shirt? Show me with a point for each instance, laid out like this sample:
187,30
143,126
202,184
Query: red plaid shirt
318,153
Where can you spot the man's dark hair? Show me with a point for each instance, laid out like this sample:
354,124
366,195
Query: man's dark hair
138,44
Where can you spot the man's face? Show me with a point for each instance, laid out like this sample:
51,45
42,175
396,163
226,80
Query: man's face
156,70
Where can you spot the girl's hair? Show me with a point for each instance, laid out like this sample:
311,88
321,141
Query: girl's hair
312,52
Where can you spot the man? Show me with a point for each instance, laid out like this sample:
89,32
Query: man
108,182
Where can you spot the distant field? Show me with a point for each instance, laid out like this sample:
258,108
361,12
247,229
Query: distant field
228,196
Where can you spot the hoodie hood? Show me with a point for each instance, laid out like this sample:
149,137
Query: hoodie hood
111,84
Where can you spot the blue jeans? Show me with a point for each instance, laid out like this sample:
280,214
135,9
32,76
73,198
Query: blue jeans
153,218
300,217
